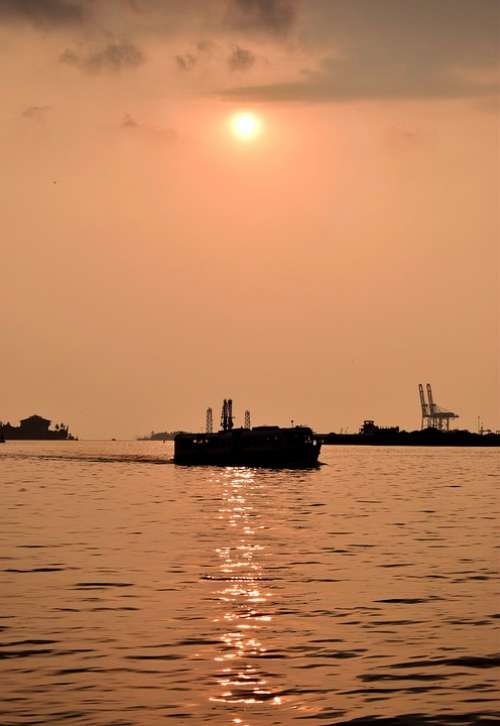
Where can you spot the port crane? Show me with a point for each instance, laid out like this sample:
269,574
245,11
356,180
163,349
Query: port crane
209,421
226,417
433,416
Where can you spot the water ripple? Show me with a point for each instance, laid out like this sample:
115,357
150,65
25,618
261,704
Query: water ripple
362,592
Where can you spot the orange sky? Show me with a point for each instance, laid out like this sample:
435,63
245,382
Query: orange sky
152,264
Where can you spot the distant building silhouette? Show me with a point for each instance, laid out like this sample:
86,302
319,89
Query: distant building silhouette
35,428
369,428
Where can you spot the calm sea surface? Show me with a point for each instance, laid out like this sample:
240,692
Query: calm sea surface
134,591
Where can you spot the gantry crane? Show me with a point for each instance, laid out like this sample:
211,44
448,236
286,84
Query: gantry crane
226,418
424,405
210,421
432,415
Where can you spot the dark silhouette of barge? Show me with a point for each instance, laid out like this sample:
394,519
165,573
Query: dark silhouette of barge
260,446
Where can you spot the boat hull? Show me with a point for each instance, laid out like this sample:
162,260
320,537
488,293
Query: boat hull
272,447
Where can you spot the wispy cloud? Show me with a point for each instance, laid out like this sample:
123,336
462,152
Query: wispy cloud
241,59
186,62
129,122
147,131
115,56
35,113
342,84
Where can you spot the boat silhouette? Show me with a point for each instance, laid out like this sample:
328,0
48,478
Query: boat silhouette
269,446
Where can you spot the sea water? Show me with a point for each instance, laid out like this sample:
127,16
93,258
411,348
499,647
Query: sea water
134,591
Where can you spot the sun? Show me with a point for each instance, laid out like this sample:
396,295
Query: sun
246,125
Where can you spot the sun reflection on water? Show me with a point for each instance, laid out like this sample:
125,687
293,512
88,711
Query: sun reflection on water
244,599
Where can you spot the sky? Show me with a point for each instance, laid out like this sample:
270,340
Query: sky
152,263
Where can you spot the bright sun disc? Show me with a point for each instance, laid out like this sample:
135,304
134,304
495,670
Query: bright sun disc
245,126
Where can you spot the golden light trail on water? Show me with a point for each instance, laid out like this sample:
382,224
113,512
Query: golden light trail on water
244,612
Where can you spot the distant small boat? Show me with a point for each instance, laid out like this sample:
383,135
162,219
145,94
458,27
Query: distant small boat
269,446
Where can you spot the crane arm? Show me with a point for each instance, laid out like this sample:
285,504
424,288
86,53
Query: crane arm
432,405
425,411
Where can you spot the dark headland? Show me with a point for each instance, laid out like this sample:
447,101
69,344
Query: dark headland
372,435
434,429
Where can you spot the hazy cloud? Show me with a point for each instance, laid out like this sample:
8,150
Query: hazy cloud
129,122
241,59
148,132
269,16
203,51
206,46
272,17
381,49
36,113
370,48
45,12
115,56
421,30
186,62
323,88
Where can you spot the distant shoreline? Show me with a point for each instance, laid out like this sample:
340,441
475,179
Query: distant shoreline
425,437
